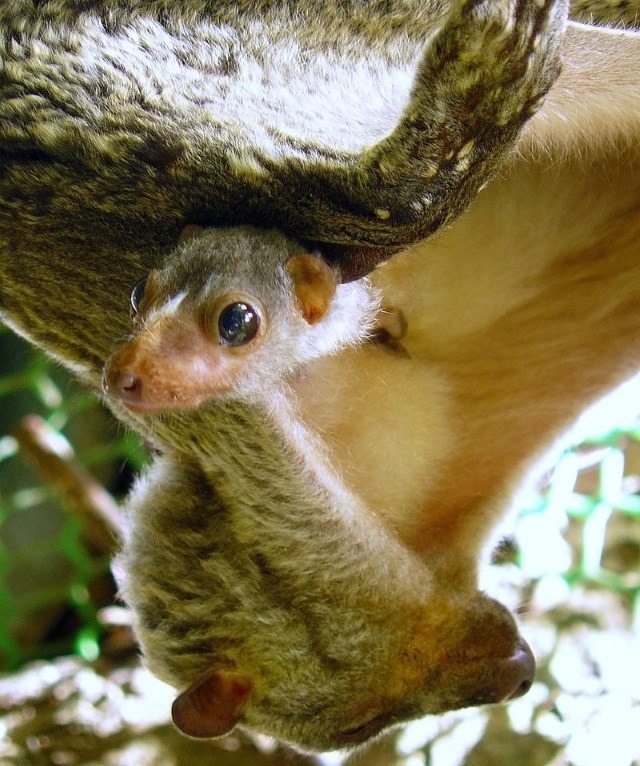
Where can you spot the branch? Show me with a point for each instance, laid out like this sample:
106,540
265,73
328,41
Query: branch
52,457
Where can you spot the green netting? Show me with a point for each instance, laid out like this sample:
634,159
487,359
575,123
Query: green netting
612,491
51,586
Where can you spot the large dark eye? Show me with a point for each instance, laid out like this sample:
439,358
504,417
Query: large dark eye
136,296
238,323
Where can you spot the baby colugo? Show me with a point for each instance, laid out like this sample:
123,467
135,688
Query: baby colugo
262,587
232,312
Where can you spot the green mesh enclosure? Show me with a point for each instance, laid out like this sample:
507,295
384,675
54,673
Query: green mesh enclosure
594,487
51,583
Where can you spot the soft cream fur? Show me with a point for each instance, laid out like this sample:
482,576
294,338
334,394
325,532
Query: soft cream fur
519,316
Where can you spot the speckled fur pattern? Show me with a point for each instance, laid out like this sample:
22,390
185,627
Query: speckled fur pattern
255,118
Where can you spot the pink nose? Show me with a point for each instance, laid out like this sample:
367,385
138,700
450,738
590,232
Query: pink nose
123,385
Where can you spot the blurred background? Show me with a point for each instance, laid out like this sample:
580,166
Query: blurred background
71,687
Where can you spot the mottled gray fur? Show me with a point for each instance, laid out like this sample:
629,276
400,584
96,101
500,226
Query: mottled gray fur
118,125
254,558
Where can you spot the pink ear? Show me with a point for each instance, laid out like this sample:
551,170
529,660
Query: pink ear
314,285
190,231
211,706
